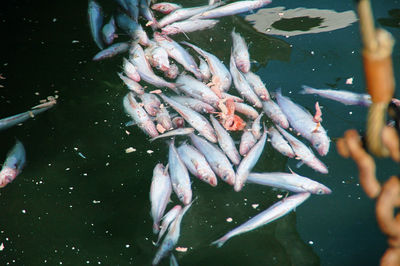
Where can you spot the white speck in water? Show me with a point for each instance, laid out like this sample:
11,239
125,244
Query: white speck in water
229,219
71,188
279,196
87,262
310,242
312,52
75,148
67,169
1,247
127,245
149,151
255,206
96,201
84,174
54,19
350,113
23,211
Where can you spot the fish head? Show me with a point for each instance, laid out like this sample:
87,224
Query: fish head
210,179
169,30
150,128
7,175
320,143
319,166
187,197
243,65
178,122
321,190
228,177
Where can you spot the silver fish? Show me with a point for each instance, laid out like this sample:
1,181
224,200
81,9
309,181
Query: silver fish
148,14
144,69
160,192
131,84
175,132
179,54
289,181
110,51
345,97
109,31
95,15
221,77
304,153
274,112
197,105
173,261
132,28
168,218
273,213
179,176
139,115
279,143
257,85
225,141
232,9
242,86
13,164
172,72
240,52
157,57
248,162
196,120
165,7
197,164
256,127
10,121
216,159
151,103
171,238
247,141
302,121
189,25
197,89
183,13
130,70
163,118
204,69
247,110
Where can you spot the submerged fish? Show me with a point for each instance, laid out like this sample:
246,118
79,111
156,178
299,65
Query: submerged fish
247,141
274,212
247,110
345,97
274,112
257,85
179,175
19,118
289,181
171,239
160,192
96,22
13,164
167,219
109,31
131,84
111,51
197,89
197,105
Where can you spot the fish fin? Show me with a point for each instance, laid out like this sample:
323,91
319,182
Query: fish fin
130,123
166,169
299,164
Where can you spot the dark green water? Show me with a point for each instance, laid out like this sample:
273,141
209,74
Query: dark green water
64,209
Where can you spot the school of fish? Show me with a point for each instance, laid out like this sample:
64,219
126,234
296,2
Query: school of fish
195,101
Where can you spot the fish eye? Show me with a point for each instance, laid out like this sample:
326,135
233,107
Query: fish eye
320,192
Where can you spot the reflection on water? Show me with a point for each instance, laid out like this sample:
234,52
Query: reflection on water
291,22
393,20
297,23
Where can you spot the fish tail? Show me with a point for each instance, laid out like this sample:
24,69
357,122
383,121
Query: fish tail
306,89
156,228
220,242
